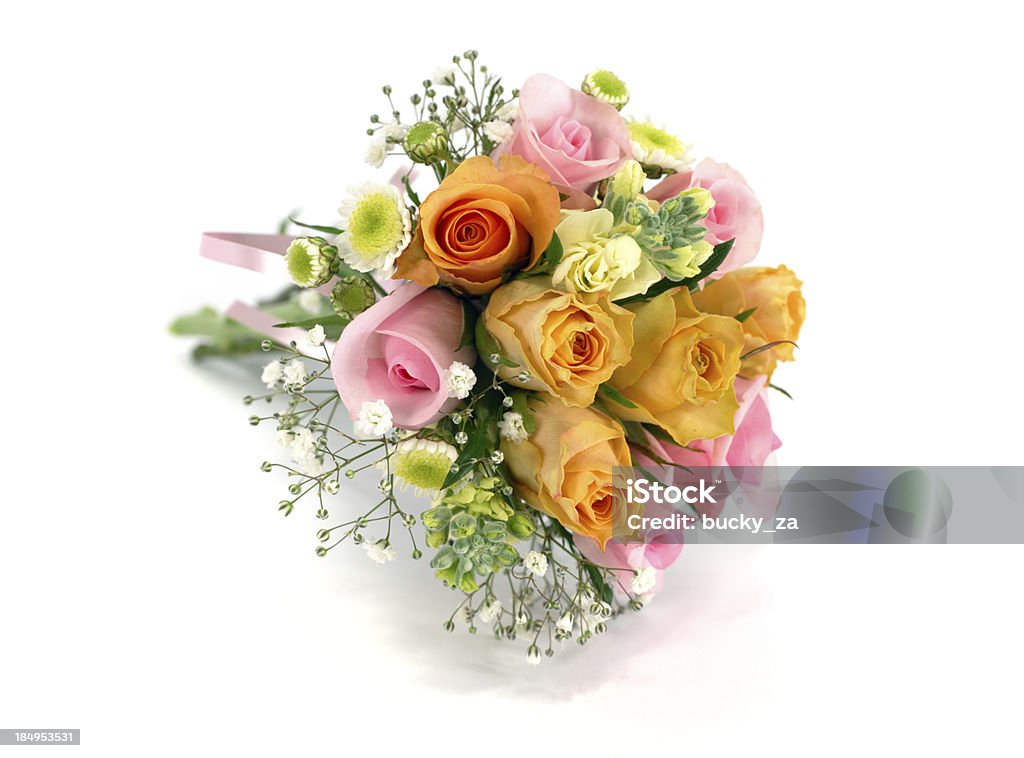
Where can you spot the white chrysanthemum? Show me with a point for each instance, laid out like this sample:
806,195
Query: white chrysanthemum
316,335
378,227
498,132
394,130
444,75
379,552
376,152
491,612
311,301
511,427
294,373
536,563
508,111
374,420
272,374
459,379
656,147
644,580
423,464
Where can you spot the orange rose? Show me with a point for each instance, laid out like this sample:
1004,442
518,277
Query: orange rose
774,294
569,345
564,468
481,223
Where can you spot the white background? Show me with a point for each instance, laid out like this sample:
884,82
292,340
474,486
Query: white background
151,595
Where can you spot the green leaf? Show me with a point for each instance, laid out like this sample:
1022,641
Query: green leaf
741,317
520,405
550,258
326,322
478,428
486,346
604,591
469,318
316,228
615,396
779,389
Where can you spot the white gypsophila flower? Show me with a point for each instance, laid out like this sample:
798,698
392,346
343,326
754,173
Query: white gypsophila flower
376,152
511,427
533,655
491,612
311,466
498,132
374,420
303,444
295,373
564,624
379,551
316,335
508,111
310,301
394,130
522,619
536,563
644,580
378,227
272,374
459,379
463,615
443,75
284,438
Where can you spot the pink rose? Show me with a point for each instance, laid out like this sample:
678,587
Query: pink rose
659,553
737,213
576,139
750,445
397,351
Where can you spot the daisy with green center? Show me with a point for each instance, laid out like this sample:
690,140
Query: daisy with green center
309,261
656,148
377,226
423,464
606,87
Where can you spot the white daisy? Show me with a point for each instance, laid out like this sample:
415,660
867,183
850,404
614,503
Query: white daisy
378,227
656,147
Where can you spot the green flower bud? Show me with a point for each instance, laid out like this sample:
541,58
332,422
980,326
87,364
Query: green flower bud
684,262
426,142
351,296
607,87
628,181
705,202
309,261
521,526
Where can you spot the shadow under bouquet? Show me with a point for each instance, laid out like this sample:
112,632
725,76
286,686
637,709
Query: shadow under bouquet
569,296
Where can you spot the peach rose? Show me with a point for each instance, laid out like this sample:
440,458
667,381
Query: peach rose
774,294
568,344
564,468
683,368
482,222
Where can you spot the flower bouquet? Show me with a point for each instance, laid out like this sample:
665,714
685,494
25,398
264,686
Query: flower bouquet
570,296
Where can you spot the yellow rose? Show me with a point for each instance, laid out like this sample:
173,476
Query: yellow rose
683,368
775,295
564,468
567,344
